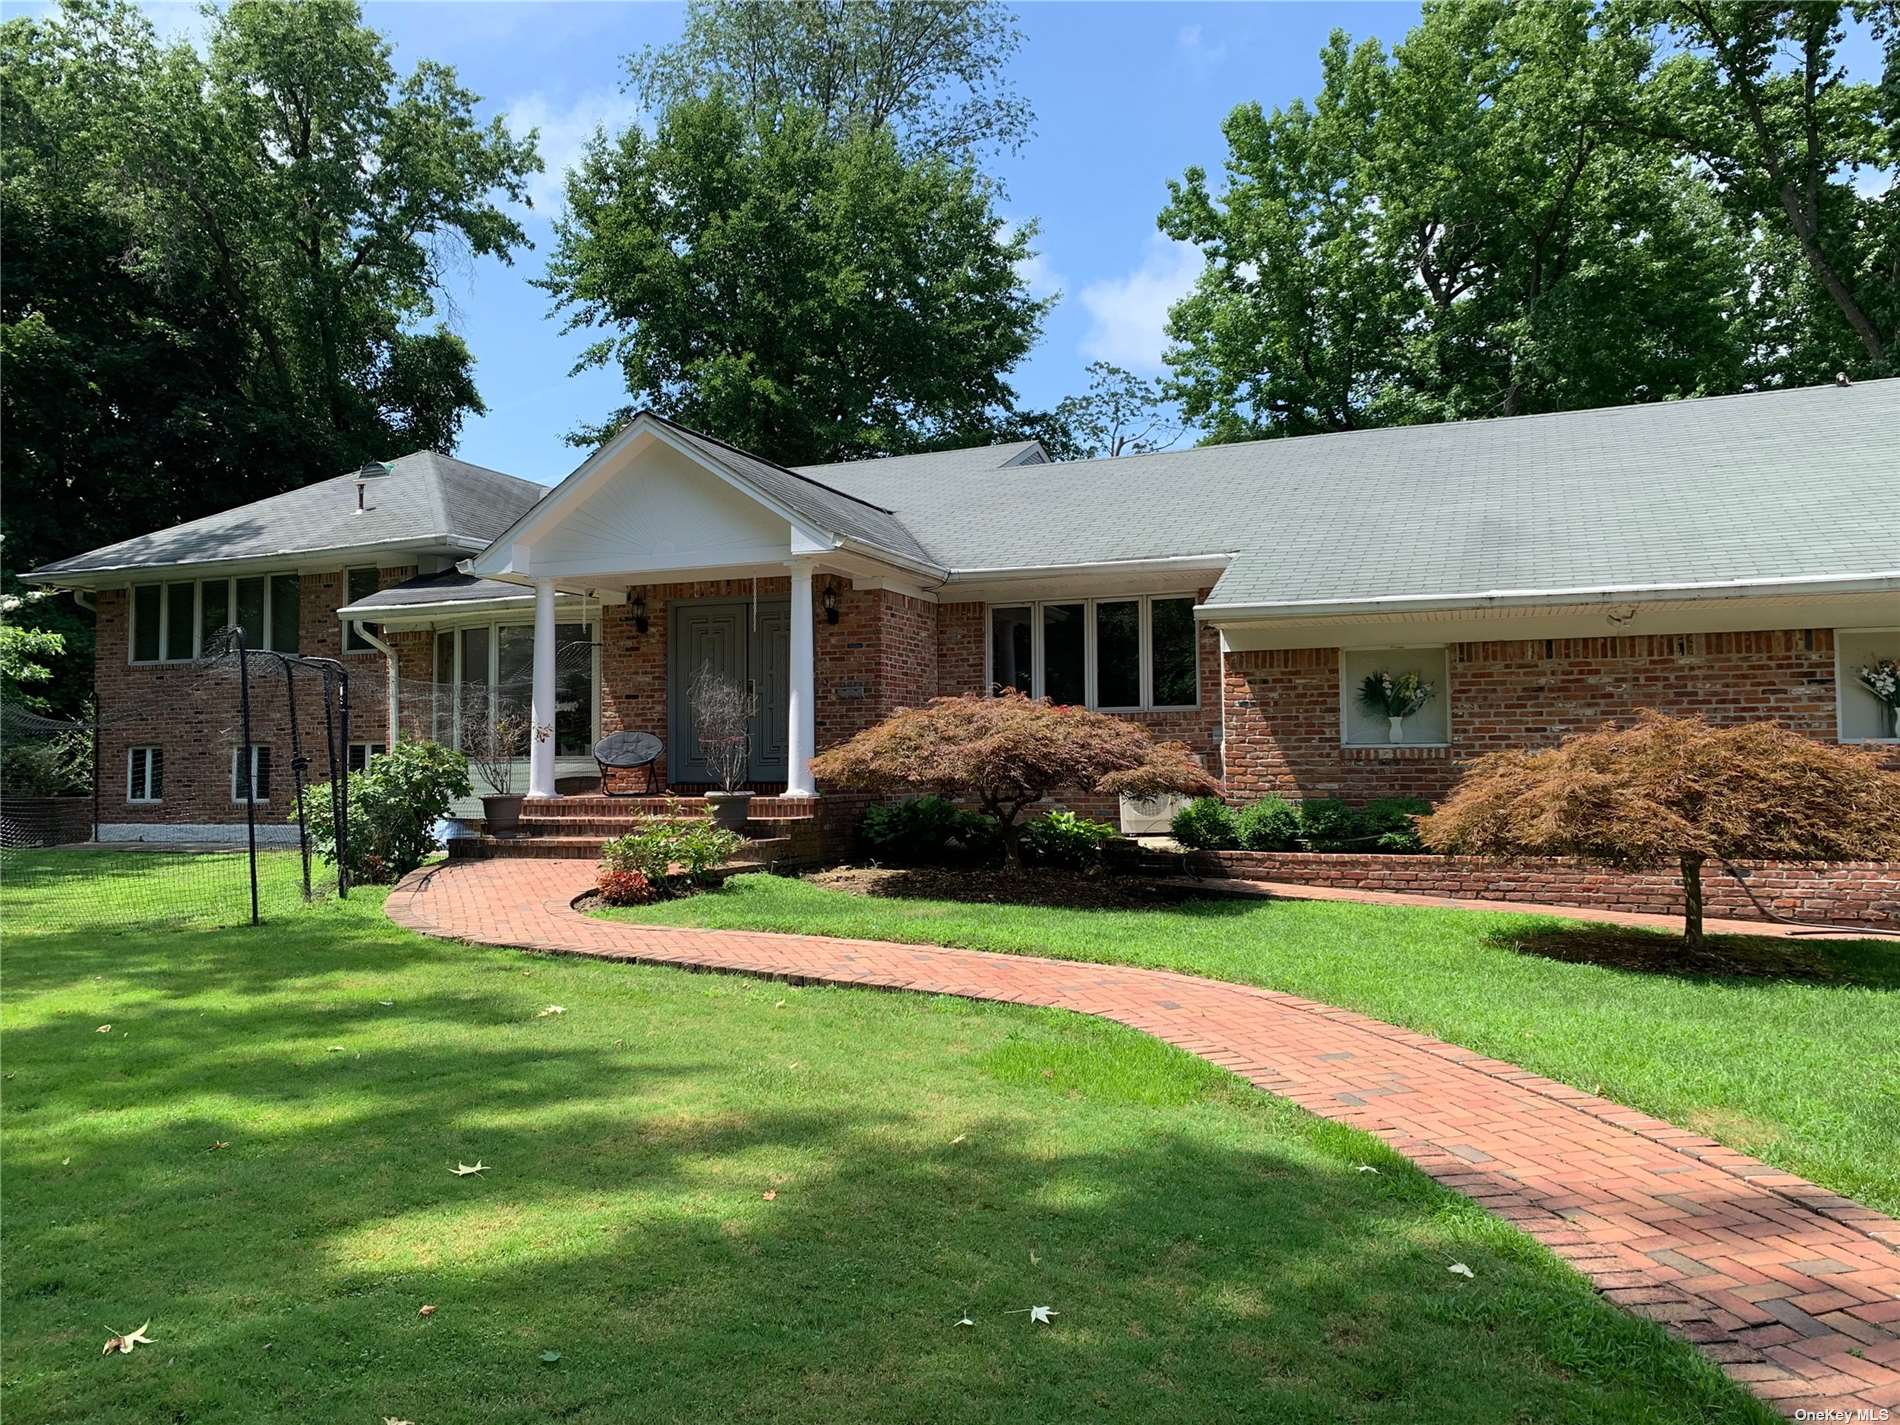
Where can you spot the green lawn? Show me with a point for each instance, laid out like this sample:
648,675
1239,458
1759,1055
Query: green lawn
1212,1254
1798,1071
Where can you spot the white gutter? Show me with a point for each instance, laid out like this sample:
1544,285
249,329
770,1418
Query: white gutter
384,613
1539,598
362,632
1001,572
198,568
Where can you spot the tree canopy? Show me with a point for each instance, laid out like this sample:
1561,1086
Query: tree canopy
1527,208
225,269
806,295
1120,414
931,71
1675,790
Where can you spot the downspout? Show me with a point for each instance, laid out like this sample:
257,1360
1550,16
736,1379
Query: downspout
362,632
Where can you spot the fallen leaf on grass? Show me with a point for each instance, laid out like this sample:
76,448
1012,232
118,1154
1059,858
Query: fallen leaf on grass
1366,1168
103,1029
426,1311
550,1357
771,1194
1460,1269
392,1420
966,1321
123,1344
65,1162
551,1009
1040,1314
462,1170
386,1002
956,1140
334,1049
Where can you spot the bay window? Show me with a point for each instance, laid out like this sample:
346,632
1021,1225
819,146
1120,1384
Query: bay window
1128,653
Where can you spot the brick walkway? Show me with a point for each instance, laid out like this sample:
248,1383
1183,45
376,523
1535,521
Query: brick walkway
1794,1290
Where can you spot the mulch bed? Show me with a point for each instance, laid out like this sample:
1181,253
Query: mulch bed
1071,890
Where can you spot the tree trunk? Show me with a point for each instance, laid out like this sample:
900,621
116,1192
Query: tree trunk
1692,901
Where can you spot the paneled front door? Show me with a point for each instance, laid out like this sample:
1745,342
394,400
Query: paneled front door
750,644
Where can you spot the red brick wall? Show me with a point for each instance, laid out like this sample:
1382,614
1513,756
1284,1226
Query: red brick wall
1283,704
193,712
1845,892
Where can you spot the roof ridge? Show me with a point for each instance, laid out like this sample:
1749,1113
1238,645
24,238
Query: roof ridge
1507,422
926,455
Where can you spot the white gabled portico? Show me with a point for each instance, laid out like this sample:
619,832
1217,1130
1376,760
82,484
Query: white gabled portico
659,504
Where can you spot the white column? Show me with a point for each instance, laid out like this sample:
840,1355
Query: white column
541,748
803,702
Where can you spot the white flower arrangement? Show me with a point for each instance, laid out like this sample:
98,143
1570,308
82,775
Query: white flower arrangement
1388,695
1882,678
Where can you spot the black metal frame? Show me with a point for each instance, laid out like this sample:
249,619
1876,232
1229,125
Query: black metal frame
336,735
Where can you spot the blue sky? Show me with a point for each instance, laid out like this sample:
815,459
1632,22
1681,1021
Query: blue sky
1126,96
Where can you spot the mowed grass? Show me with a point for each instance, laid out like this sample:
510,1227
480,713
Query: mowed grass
1213,1254
1800,1071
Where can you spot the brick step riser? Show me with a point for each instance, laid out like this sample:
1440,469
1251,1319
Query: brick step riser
775,850
615,808
604,827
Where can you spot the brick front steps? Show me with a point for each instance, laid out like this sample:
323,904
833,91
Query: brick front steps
781,831
1793,1290
1834,893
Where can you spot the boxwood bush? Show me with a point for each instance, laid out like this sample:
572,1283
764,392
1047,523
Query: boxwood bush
1270,824
1207,824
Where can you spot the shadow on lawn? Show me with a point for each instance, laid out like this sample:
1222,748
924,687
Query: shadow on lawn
982,885
623,1225
1734,959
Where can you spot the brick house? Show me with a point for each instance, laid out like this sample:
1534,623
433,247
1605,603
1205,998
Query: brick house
1730,556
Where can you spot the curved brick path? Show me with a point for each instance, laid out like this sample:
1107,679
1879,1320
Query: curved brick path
1793,1289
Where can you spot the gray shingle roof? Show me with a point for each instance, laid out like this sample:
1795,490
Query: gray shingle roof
426,498
1784,484
447,587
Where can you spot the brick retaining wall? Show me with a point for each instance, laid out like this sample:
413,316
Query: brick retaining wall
1840,892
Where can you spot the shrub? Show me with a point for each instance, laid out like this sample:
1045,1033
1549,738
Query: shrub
1392,825
625,887
1675,789
1206,824
918,830
1327,824
980,838
1270,824
694,845
394,805
1007,753
1064,839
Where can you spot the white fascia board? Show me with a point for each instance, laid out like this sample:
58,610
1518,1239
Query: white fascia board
282,561
1538,598
1005,572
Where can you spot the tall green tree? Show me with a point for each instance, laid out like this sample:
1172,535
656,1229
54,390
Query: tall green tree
1449,232
1757,94
223,267
805,294
931,71
1120,414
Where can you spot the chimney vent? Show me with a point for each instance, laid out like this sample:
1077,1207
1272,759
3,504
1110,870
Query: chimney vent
372,470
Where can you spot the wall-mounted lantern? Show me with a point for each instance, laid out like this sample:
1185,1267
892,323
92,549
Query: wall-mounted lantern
638,608
831,603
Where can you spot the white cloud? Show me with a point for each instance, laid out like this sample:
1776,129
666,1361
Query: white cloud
1128,315
565,130
1191,44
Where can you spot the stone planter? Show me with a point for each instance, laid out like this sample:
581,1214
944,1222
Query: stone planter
502,814
729,809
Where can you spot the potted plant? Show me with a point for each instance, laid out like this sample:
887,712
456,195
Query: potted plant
494,742
1882,678
1395,697
722,724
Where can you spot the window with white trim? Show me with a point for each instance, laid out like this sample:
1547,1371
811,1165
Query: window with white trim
1426,725
359,584
491,665
177,621
259,777
362,752
145,774
1866,714
1129,653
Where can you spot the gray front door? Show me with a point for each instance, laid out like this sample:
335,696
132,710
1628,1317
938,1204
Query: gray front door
756,651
